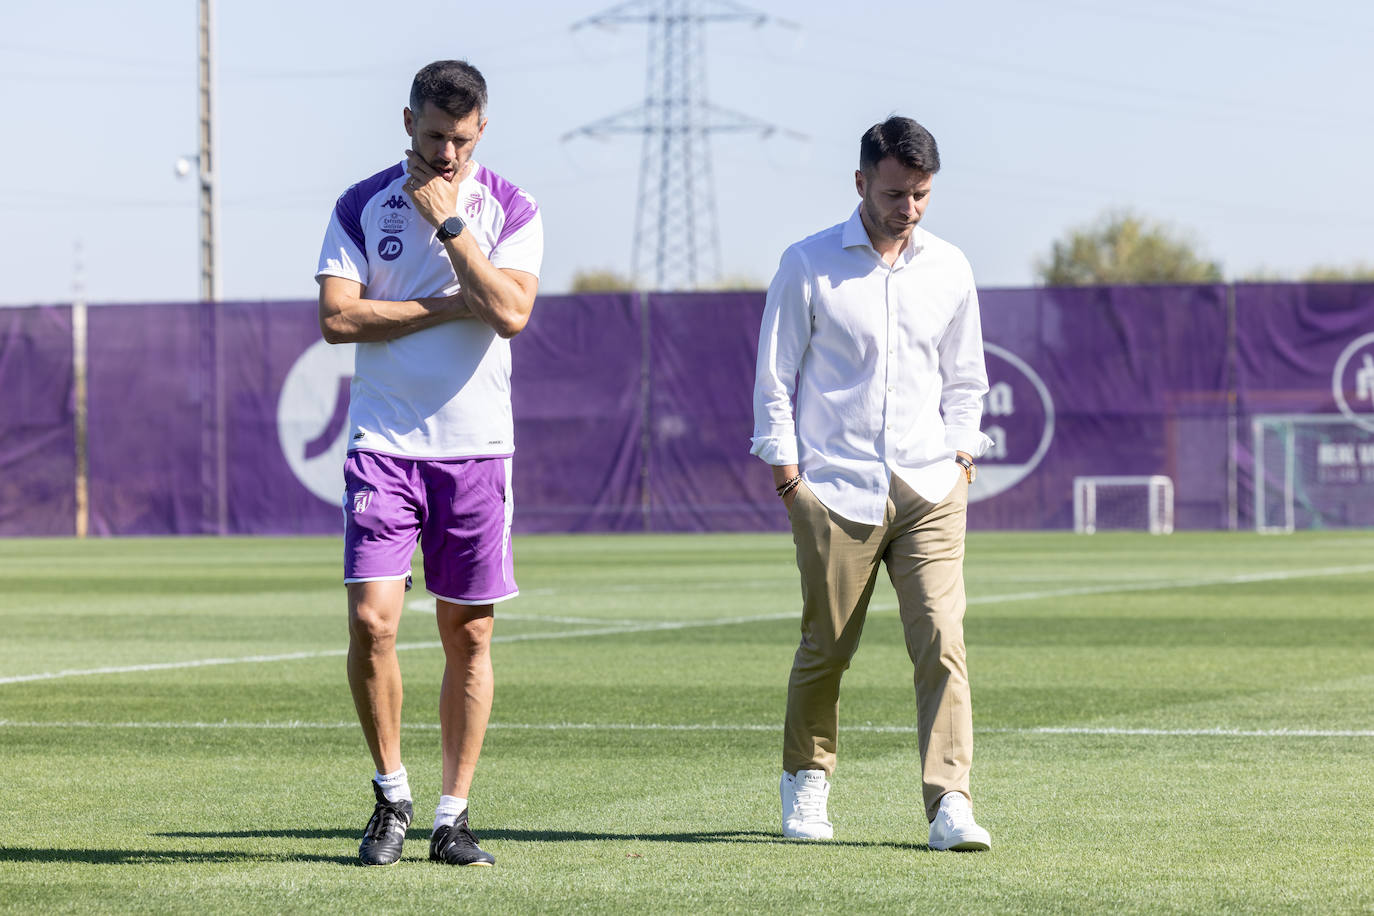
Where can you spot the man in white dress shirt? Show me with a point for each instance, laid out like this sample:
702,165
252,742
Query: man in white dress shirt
873,326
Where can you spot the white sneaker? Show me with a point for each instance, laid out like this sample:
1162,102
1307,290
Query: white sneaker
803,805
954,827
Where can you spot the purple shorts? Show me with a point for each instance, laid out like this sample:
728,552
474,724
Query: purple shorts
459,509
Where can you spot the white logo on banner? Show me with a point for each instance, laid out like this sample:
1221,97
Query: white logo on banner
999,412
309,410
1358,358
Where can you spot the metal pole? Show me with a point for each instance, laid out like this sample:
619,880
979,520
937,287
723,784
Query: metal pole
209,217
79,397
645,414
1232,415
210,282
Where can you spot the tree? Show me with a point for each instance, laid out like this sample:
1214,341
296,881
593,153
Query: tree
1358,272
600,280
737,283
1122,248
605,280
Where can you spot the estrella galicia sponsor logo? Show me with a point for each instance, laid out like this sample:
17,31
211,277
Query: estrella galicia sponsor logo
1018,416
396,202
1352,382
392,223
473,205
390,248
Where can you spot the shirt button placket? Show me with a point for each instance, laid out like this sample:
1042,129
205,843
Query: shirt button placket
891,353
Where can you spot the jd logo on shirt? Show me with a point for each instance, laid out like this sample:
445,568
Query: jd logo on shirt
389,248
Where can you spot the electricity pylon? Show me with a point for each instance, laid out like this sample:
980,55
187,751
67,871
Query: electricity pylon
675,233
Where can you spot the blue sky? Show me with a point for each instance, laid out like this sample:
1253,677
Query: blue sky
1246,126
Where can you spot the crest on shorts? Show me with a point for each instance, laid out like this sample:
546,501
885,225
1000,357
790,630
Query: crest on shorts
361,500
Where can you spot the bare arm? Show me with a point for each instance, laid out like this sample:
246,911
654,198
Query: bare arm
500,298
346,317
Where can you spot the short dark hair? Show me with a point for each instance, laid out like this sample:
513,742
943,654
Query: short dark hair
453,85
902,139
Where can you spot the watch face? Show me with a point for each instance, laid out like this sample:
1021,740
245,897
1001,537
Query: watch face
450,228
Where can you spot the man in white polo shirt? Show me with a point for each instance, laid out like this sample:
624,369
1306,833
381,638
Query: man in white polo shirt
873,325
429,266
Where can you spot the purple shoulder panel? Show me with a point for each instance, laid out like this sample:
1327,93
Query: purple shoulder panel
349,208
518,206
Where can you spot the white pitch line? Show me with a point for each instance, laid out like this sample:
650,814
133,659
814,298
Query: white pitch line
1047,730
420,604
1188,732
168,666
1201,581
623,628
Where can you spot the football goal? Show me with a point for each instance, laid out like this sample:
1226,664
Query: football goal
1312,471
1143,503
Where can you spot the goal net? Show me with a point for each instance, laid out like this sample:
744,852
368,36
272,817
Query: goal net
1143,503
1312,471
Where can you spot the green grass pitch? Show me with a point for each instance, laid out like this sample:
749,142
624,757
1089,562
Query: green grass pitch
1171,724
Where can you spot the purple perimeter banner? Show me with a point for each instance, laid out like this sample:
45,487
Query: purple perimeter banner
37,423
633,411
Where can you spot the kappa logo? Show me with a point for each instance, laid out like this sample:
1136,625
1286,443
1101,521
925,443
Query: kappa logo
473,205
396,202
390,248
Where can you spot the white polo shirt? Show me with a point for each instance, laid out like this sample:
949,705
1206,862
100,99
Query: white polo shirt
888,368
443,392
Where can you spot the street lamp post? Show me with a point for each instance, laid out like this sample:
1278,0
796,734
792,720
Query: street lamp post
210,288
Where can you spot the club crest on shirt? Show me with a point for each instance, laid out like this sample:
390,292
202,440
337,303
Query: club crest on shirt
472,206
394,222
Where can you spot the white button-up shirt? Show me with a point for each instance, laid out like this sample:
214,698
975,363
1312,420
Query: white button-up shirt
874,355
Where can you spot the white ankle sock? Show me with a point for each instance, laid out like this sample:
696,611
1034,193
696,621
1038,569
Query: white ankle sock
395,786
450,806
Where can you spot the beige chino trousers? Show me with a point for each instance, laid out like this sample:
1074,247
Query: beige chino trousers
922,545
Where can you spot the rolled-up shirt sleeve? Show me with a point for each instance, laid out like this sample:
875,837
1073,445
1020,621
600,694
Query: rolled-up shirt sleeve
784,336
964,375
